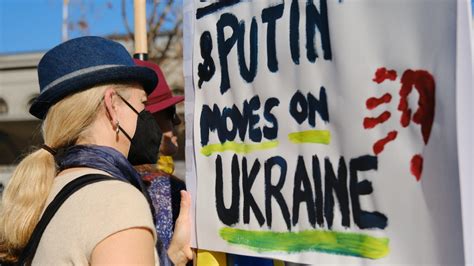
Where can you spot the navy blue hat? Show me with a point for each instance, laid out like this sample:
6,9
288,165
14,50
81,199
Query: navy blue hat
82,63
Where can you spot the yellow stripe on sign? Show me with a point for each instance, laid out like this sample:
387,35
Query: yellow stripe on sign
311,136
242,148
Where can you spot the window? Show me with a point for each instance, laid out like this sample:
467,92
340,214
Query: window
32,99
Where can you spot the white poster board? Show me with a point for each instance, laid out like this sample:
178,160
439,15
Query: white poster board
325,131
465,123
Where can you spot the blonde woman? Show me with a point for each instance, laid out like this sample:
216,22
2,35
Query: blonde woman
91,99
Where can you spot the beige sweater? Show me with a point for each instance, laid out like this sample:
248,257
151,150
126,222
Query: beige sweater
87,217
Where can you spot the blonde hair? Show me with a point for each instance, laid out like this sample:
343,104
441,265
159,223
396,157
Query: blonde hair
27,191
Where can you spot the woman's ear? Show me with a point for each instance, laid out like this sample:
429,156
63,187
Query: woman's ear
111,106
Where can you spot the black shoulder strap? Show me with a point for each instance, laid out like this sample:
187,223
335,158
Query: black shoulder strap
30,248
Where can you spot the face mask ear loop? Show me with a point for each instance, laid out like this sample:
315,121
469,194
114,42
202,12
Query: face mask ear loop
128,104
125,133
118,124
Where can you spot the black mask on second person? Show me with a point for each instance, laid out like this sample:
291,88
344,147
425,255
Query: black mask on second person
145,144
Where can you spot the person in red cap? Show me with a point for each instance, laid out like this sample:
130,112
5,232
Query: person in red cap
163,187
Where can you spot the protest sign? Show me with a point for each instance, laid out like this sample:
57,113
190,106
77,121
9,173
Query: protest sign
325,131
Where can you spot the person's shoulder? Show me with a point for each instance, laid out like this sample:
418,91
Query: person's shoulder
112,187
102,189
111,206
97,211
116,197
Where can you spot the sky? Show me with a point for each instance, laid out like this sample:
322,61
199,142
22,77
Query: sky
36,25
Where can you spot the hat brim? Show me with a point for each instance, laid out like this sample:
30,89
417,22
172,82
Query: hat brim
162,105
145,76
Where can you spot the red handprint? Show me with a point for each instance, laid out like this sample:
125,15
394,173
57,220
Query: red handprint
424,83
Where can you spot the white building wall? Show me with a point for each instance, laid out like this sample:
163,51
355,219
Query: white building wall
18,84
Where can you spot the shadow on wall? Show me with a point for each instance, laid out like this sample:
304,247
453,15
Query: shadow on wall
16,139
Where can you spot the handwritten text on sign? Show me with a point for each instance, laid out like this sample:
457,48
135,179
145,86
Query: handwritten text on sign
264,176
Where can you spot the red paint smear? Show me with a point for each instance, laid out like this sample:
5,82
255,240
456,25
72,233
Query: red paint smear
405,118
373,102
382,74
416,166
370,122
424,83
380,144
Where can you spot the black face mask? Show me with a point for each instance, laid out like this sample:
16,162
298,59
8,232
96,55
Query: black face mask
145,144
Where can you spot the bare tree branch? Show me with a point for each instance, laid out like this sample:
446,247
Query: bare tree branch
125,21
162,17
151,21
160,41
